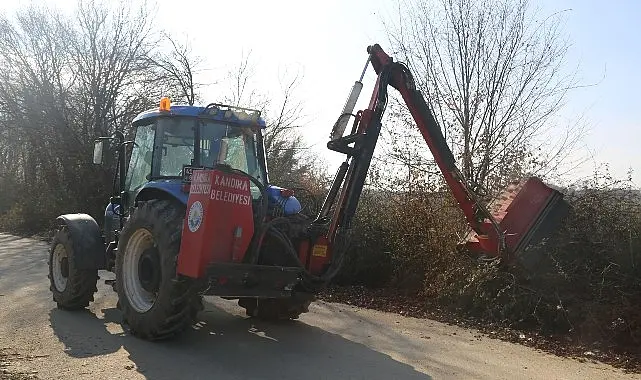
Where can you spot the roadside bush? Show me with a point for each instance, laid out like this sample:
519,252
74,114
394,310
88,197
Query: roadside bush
368,261
30,214
588,284
588,287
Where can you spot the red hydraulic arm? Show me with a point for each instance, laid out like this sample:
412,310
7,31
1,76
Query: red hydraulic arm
401,79
360,143
522,217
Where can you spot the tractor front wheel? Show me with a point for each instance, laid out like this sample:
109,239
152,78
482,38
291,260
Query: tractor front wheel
72,288
156,303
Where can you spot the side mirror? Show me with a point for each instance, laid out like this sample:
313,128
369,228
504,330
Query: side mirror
98,152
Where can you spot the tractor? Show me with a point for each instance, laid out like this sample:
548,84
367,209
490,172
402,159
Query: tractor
195,213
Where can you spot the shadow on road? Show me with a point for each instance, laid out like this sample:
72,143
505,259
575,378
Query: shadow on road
222,345
230,346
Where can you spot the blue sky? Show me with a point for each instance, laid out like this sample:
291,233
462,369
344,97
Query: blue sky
606,46
326,41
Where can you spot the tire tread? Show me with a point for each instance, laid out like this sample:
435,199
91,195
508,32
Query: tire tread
81,284
173,311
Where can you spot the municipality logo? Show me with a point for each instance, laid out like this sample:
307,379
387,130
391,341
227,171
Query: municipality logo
195,218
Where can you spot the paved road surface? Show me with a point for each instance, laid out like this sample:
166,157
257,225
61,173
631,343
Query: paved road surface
332,342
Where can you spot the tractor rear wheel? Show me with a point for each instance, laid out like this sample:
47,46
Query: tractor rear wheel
156,303
72,288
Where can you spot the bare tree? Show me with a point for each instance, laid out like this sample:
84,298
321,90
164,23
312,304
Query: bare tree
177,69
110,49
33,93
289,160
284,144
241,92
493,73
66,81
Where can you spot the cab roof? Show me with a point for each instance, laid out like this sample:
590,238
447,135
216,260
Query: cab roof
218,112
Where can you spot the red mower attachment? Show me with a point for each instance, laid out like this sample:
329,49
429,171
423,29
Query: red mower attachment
512,227
526,213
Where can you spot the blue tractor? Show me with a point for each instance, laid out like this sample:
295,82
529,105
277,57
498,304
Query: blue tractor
143,224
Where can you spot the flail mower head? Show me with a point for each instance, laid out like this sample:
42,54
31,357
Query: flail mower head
526,213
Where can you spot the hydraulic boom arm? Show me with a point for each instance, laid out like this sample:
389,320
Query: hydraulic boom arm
364,135
513,226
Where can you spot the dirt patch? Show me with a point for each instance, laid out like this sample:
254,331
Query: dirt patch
9,357
415,305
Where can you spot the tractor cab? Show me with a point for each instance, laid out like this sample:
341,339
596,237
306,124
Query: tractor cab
172,140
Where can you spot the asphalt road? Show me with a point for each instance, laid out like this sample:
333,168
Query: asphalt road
333,341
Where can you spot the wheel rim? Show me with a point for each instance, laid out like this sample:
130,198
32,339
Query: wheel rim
141,271
60,267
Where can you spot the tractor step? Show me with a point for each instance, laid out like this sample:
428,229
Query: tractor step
246,280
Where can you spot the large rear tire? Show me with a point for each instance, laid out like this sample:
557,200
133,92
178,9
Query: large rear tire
156,303
72,288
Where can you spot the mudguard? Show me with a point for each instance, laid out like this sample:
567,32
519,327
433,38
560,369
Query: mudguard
88,244
163,189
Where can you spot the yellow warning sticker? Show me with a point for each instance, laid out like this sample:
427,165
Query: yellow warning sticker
320,251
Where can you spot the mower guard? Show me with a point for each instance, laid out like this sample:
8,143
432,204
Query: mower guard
87,240
527,213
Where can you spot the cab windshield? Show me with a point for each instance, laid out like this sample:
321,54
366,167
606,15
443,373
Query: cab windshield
220,143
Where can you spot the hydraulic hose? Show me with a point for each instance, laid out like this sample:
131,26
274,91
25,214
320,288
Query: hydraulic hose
269,228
